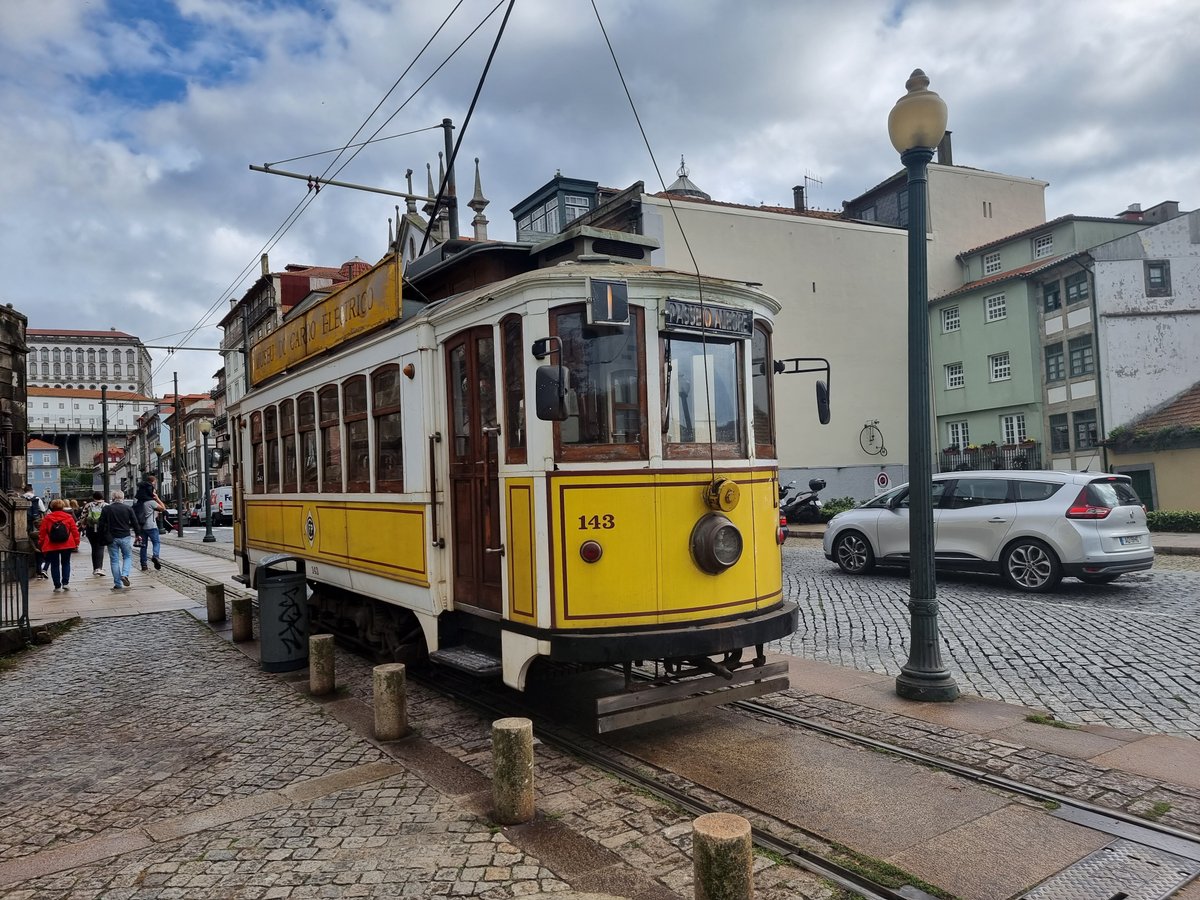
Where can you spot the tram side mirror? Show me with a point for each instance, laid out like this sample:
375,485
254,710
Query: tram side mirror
823,402
550,393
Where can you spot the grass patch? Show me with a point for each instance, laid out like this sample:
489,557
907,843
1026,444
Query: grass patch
1040,719
882,872
1157,811
1051,805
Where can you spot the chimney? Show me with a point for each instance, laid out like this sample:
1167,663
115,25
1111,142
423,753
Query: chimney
266,266
1131,214
798,198
945,153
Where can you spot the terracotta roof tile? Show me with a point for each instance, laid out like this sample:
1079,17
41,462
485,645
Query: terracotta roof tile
1042,227
35,444
1024,271
1184,409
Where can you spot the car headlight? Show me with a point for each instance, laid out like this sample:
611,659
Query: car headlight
716,544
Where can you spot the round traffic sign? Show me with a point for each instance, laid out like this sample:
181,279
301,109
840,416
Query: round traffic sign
882,481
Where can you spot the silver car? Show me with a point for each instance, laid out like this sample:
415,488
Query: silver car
1032,528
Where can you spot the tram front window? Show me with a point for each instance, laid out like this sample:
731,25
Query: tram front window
605,399
702,401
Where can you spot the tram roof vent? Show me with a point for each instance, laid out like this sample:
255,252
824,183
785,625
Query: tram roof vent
584,243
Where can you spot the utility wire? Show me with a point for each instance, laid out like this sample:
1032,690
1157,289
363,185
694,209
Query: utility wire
699,281
467,121
303,204
390,137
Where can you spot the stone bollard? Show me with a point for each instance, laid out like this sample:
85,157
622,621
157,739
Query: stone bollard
320,665
243,620
722,857
512,770
214,598
391,701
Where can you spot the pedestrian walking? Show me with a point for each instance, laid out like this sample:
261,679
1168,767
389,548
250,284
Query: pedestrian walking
150,510
91,527
33,524
59,537
119,525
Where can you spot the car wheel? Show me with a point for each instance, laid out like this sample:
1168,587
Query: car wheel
853,553
1030,565
1098,579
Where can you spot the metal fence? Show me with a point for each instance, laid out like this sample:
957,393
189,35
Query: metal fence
15,567
1015,456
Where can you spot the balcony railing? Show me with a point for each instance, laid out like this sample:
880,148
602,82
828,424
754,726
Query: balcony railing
1023,456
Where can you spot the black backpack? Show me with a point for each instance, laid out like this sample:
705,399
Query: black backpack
58,532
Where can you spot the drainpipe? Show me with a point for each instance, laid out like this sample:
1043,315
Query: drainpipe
1101,425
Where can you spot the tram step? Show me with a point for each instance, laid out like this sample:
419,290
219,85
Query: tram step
467,659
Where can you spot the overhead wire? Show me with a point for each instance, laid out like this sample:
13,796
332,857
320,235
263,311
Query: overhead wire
674,212
390,137
304,202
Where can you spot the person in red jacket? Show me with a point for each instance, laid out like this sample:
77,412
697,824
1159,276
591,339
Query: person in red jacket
57,548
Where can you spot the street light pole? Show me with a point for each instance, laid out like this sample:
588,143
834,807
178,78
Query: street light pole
205,427
916,124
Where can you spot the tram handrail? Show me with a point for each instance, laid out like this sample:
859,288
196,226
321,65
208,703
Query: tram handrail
434,440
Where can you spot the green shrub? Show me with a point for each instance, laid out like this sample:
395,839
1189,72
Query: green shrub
832,507
1173,520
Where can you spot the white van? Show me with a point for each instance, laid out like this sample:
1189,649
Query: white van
222,505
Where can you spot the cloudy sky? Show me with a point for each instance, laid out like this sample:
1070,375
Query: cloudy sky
128,126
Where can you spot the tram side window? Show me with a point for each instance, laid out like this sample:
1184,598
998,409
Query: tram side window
287,429
331,440
306,415
606,396
270,426
385,408
256,448
512,345
702,406
358,444
762,376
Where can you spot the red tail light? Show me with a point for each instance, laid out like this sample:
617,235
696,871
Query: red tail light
1082,509
781,533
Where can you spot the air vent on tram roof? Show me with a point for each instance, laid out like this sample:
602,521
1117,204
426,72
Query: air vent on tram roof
586,244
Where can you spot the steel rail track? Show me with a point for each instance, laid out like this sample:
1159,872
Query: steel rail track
977,775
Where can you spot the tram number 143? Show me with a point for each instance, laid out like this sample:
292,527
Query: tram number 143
597,522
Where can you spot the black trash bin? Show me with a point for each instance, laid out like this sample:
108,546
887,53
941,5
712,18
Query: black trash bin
282,613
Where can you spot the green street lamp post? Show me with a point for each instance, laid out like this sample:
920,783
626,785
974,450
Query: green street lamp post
916,125
206,427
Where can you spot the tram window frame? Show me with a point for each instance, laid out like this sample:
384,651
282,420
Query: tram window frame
356,460
578,451
287,441
698,447
763,449
258,469
309,479
512,349
329,424
271,437
387,477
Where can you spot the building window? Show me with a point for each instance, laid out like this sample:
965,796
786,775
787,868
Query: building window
385,408
576,206
1060,434
1083,361
950,319
954,376
1085,429
103,356
1077,288
996,307
991,263
1000,366
958,435
1055,370
1051,298
1043,246
867,214
1158,278
1013,428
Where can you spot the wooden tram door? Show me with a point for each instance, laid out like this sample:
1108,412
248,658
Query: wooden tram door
474,469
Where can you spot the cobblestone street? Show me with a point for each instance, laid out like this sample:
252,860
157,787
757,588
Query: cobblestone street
1124,654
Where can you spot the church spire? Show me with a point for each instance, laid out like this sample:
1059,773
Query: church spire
479,203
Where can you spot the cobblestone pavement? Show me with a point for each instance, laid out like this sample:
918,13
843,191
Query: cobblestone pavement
145,758
1124,654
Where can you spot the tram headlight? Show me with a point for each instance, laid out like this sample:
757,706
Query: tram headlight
716,544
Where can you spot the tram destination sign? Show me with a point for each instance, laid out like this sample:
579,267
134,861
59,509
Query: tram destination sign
368,302
684,315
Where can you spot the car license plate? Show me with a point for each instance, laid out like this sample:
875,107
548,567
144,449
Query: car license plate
1135,539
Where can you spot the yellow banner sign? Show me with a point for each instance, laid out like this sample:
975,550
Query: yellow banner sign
355,308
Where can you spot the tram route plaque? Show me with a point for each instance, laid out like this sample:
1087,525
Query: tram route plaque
684,315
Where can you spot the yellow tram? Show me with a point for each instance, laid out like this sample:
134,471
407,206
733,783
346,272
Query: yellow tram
552,453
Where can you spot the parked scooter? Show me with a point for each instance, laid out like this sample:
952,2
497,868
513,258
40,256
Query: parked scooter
805,506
